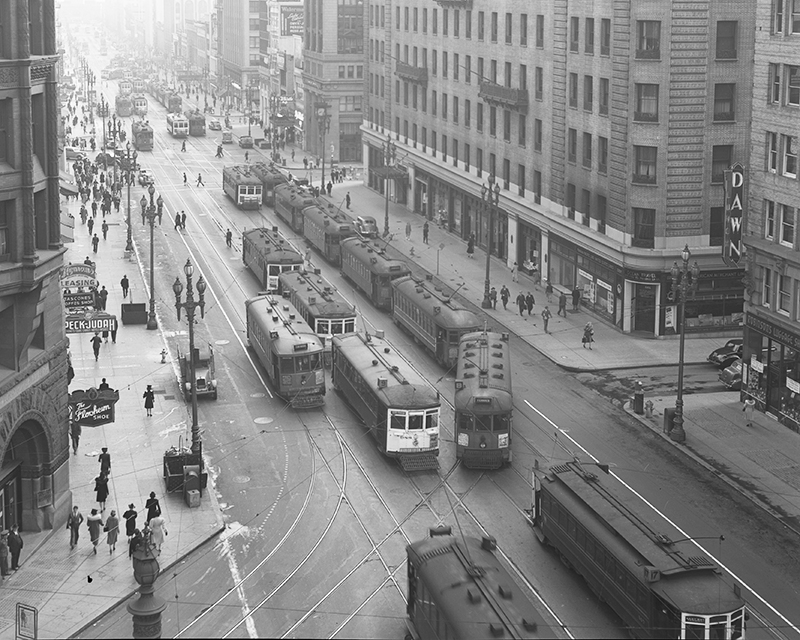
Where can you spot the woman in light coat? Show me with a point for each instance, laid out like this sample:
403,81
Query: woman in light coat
112,526
159,531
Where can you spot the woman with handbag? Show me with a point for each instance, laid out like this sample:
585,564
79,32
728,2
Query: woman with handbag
588,335
112,528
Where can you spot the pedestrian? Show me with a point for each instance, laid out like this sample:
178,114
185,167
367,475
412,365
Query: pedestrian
219,151
75,436
247,156
90,225
4,555
562,304
471,245
74,521
505,294
125,284
749,409
183,219
588,335
153,507
347,199
177,221
493,298
408,231
114,328
229,238
94,522
158,531
96,342
105,458
521,302
425,229
101,490
549,291
185,180
183,146
329,188
149,399
104,227
576,298
112,527
529,301
130,520
103,386
134,542
94,207
305,163
515,273
200,180
15,545
95,243
102,296
546,315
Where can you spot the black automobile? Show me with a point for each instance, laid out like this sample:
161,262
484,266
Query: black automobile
727,354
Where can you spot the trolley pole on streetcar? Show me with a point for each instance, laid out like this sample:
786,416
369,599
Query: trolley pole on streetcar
151,215
324,125
389,155
490,195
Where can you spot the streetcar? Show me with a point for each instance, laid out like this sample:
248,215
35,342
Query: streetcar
396,403
325,230
125,87
657,581
432,317
290,201
142,135
458,588
289,350
484,402
267,254
367,266
270,179
242,186
197,123
177,125
321,305
173,103
138,85
139,104
123,106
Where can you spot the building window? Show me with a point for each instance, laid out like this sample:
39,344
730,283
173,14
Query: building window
726,39
723,102
588,45
574,34
795,16
506,174
573,90
405,94
587,150
5,250
424,21
479,117
648,39
506,125
444,106
540,31
766,287
646,103
492,164
605,37
787,225
414,95
405,18
572,145
433,102
507,75
537,187
721,159
341,71
774,96
772,151
455,66
586,205
602,154
467,113
445,27
494,26
603,98
716,233
5,126
456,23
645,164
455,109
789,156
454,151
493,71
492,120
509,29
466,147
481,30
601,213
588,93
521,179
468,69
444,64
434,62
424,100
769,219
784,294
644,223
479,161
792,85
523,29
468,33
435,22
415,20
777,16
538,88
537,135
570,200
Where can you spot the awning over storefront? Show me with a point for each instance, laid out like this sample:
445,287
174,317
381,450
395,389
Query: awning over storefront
67,227
67,186
390,172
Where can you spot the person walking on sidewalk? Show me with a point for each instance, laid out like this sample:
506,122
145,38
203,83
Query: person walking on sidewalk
229,238
125,284
408,231
96,342
149,400
546,315
104,386
102,297
153,508
425,228
95,523
177,221
105,460
588,335
515,273
101,490
200,180
4,555
90,225
505,294
562,304
185,180
329,188
493,298
158,531
130,520
112,527
183,146
471,245
75,436
114,328
104,228
74,522
15,545
521,302
347,199
548,290
529,302
95,243
183,219
749,408
576,298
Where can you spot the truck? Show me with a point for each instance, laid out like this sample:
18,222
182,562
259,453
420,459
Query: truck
204,371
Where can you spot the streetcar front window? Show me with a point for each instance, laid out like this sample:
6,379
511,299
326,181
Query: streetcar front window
287,365
314,361
322,326
464,421
398,420
432,420
719,627
274,269
336,327
350,326
483,423
695,632
302,364
416,421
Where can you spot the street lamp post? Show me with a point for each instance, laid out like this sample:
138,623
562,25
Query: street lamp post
129,243
490,195
389,155
190,305
324,125
682,286
151,218
103,107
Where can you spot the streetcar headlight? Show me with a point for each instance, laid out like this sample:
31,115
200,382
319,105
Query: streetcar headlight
463,439
502,440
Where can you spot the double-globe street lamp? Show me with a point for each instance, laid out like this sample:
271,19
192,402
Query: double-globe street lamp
151,213
128,176
103,114
190,305
682,286
324,125
490,197
389,155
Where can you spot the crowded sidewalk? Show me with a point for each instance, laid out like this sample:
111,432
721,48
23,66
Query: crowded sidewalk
71,587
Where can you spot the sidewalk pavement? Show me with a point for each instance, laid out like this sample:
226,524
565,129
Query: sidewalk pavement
762,461
72,588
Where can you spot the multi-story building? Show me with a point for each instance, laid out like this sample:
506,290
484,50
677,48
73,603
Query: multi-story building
772,334
333,78
34,477
241,23
608,125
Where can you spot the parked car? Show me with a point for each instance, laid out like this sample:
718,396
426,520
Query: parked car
731,376
145,177
72,153
246,142
724,356
366,226
227,136
214,124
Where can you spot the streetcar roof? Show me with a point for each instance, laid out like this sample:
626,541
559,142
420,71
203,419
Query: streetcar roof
317,294
473,590
483,373
639,538
436,304
288,191
241,174
373,255
268,172
336,222
273,246
389,375
276,315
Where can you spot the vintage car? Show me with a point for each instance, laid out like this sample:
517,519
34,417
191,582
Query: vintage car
214,124
727,354
246,142
145,178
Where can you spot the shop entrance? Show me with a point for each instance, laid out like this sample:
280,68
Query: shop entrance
644,308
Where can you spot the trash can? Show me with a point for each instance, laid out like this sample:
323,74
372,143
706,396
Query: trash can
193,498
669,418
638,399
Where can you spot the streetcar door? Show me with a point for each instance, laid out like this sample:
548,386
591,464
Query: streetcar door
442,351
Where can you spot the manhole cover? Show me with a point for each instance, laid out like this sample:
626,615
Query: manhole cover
241,479
257,395
222,342
263,420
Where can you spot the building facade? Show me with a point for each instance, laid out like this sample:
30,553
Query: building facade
771,365
34,477
333,78
240,25
608,125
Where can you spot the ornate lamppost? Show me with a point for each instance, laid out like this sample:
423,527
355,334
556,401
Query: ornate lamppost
490,195
190,305
389,155
146,611
682,286
128,173
143,205
103,112
324,125
151,214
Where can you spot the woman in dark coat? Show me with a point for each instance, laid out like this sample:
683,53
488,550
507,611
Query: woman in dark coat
149,400
101,489
471,245
152,506
95,523
130,520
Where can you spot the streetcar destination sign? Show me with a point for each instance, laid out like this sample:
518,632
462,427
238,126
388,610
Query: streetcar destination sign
89,324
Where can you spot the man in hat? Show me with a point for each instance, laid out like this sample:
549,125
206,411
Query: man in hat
15,545
74,522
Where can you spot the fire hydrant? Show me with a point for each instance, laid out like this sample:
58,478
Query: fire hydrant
648,409
163,356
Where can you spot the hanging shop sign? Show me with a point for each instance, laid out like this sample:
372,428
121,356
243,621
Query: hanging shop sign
92,407
78,300
734,212
89,323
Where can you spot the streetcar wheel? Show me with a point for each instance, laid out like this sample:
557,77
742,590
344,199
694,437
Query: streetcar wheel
565,561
